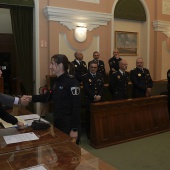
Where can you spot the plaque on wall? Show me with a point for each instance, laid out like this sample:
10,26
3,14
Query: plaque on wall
166,7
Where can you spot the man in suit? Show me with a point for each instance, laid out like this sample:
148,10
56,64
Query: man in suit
79,65
119,82
141,80
93,85
101,66
9,100
114,62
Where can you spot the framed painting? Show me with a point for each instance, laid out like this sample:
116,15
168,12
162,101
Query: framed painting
126,43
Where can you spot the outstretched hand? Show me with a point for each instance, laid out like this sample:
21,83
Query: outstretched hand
25,100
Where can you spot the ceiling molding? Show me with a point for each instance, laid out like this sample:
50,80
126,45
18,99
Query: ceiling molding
90,1
162,26
71,18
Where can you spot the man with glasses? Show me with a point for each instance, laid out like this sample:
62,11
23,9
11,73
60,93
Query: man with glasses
93,84
101,66
114,62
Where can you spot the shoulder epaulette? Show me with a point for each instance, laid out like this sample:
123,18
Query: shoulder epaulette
114,72
84,74
69,75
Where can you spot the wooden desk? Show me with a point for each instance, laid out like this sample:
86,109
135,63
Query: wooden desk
45,138
52,135
114,122
63,156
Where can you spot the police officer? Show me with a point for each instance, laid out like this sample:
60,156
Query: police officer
101,66
114,62
79,65
65,95
119,82
141,80
93,84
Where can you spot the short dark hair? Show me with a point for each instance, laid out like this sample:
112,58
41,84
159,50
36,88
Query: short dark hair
61,58
92,62
95,52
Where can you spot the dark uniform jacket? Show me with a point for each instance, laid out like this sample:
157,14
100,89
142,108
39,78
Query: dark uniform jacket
101,67
114,65
65,95
141,80
118,85
168,78
80,69
93,86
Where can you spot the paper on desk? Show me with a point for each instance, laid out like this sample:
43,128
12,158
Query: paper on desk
9,125
38,167
29,122
20,138
26,119
30,118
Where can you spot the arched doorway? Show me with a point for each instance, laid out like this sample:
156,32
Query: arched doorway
134,24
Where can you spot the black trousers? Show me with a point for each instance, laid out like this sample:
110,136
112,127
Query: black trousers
64,124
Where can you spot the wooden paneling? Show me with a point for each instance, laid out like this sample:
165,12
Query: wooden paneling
114,122
1,85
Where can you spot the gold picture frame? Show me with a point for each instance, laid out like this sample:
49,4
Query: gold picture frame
126,43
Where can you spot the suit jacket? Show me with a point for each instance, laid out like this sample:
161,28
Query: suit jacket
79,69
141,80
93,86
6,99
118,85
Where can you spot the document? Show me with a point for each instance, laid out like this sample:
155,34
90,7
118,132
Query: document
30,118
9,125
38,167
20,138
26,119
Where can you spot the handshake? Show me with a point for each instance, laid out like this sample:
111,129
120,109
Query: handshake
25,100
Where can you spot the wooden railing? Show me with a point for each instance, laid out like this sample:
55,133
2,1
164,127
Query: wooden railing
114,122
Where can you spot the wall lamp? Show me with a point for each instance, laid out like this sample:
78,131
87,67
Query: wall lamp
80,33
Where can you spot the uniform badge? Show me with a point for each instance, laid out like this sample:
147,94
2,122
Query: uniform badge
90,80
75,65
75,90
139,74
118,77
61,87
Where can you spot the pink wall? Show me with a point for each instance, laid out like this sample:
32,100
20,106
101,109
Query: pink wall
49,31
